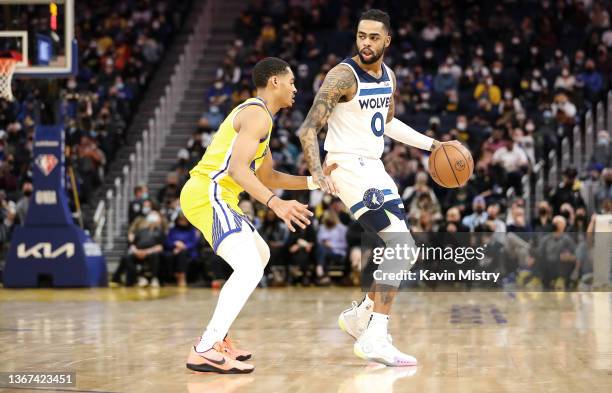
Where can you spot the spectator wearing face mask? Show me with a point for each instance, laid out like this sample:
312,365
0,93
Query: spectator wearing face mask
220,96
513,160
146,249
564,110
555,256
602,154
479,215
568,191
181,248
135,209
211,119
565,81
489,90
592,81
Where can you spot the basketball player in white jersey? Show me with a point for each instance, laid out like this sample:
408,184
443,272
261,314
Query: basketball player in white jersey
356,102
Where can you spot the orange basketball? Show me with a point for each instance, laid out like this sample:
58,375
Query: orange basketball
451,165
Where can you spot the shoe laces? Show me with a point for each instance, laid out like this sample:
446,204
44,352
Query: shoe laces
228,344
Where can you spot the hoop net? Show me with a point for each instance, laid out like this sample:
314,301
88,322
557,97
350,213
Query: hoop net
7,68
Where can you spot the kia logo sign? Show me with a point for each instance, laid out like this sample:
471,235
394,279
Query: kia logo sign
44,250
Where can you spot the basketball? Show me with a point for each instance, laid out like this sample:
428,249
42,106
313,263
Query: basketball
451,165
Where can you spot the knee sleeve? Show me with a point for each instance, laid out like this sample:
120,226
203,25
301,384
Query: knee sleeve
396,237
241,252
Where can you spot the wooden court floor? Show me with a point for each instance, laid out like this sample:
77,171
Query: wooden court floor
136,340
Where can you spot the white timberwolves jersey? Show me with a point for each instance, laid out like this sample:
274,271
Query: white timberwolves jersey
357,126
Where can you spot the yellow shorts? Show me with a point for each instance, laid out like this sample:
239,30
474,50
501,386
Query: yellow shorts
212,209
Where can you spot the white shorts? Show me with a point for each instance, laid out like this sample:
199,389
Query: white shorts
366,189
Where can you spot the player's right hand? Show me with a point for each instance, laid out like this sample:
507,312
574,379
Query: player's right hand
291,212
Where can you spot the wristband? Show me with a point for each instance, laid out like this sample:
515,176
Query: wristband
269,199
311,184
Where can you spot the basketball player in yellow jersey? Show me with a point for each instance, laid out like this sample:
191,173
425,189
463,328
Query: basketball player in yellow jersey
238,159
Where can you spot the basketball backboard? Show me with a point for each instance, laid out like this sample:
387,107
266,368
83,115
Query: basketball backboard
39,34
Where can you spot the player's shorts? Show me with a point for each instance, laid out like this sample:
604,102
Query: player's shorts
212,209
367,190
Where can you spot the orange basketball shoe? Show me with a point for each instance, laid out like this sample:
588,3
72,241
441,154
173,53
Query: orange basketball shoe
216,360
233,352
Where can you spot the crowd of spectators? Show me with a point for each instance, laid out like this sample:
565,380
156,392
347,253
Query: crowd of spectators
120,45
508,79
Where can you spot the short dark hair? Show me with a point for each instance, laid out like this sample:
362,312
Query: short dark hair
378,16
267,68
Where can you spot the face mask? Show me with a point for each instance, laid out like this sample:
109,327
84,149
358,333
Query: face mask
602,141
146,210
145,195
218,85
152,218
508,96
565,214
214,109
27,193
461,126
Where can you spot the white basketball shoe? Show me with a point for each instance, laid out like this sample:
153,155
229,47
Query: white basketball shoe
376,347
354,321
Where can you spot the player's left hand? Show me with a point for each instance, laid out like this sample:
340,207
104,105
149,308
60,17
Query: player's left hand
328,169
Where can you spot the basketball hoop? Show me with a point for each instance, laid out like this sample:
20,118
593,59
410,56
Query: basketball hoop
7,68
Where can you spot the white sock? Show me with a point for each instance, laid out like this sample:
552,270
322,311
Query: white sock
378,323
240,251
366,303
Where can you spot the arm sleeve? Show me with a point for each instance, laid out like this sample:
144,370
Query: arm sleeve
405,134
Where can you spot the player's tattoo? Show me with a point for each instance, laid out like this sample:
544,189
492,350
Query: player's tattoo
338,84
386,293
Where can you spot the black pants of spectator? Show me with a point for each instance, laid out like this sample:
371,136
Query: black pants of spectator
326,257
549,272
301,260
151,261
176,263
515,180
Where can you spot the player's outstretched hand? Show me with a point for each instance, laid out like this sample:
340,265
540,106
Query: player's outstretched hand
291,212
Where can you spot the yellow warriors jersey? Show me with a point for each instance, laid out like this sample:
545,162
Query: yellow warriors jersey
215,162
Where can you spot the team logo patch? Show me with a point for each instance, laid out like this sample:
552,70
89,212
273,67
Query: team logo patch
460,165
373,199
46,163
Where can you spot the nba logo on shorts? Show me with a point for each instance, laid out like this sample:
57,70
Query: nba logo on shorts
46,163
373,198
